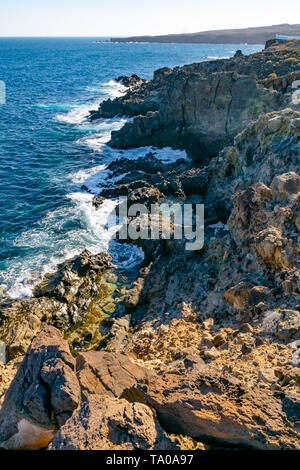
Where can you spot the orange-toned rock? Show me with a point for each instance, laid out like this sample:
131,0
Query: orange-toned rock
112,424
109,373
206,403
43,394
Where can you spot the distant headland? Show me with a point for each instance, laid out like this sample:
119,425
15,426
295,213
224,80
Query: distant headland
257,35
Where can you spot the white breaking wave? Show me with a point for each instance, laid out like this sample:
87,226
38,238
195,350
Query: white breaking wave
77,225
102,133
113,89
80,112
65,233
212,57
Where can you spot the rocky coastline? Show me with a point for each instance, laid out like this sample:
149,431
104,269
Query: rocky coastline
257,35
196,349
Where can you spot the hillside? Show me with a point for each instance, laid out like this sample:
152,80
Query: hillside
226,36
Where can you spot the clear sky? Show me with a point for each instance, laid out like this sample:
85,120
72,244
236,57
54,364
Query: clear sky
138,17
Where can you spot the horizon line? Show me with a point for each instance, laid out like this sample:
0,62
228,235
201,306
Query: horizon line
149,35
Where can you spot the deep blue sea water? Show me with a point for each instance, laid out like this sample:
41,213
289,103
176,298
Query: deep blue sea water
48,149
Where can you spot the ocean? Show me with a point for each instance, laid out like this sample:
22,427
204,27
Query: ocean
49,149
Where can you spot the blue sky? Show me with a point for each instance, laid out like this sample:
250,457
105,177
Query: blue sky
134,17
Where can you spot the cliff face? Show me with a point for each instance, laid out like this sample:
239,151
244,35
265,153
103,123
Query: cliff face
201,107
208,339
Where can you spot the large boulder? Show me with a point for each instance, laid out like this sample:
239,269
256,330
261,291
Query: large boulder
50,385
42,396
206,403
63,299
112,424
109,373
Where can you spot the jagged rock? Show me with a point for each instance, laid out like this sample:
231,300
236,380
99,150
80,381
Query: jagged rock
109,373
20,322
132,296
258,294
258,155
62,299
42,396
284,324
130,82
209,403
118,333
147,196
238,295
267,375
247,347
238,54
98,201
194,181
286,186
203,106
74,277
112,424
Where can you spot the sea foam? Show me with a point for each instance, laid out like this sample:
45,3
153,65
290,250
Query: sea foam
77,225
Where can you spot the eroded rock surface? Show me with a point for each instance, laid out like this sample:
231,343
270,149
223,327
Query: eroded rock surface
207,402
109,373
114,424
42,396
105,401
203,106
69,299
50,385
209,339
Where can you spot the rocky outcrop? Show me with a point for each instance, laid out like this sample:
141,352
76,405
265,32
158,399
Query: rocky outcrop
130,82
118,106
67,299
208,403
114,425
42,396
188,109
205,344
103,401
50,385
201,107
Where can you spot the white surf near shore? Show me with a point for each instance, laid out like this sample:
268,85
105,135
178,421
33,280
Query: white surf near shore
77,225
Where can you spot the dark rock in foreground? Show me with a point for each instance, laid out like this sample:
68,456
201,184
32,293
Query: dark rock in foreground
48,387
106,402
42,396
